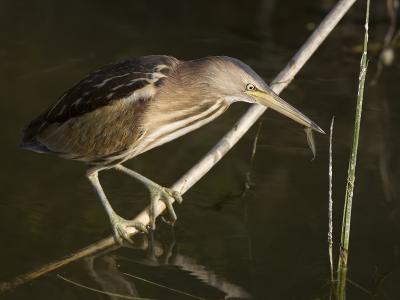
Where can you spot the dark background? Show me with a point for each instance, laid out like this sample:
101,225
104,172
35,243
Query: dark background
270,242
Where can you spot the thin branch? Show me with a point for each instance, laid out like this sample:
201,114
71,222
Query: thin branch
220,149
330,225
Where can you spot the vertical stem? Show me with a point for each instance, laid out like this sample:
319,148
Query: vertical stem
330,205
345,235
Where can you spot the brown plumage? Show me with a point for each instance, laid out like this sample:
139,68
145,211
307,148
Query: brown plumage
90,121
127,108
102,118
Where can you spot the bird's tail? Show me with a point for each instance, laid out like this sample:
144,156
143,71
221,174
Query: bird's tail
35,146
29,137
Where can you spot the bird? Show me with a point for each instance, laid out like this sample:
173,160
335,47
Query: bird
124,109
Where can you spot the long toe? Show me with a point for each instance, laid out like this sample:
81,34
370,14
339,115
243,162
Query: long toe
174,194
121,229
166,197
139,226
122,235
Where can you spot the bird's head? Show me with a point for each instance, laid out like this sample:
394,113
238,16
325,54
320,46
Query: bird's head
235,81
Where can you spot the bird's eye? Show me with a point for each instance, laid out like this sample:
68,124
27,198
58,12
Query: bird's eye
250,87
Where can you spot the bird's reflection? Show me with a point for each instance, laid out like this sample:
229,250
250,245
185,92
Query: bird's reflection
104,272
134,270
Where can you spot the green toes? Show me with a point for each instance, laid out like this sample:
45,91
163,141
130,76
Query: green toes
120,228
167,196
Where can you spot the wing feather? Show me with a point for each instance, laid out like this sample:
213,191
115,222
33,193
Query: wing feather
100,88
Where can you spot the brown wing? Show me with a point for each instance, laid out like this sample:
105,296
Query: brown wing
103,87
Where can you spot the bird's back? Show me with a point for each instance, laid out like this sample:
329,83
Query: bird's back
99,119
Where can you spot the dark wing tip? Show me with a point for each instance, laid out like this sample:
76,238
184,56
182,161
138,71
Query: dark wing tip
34,146
29,134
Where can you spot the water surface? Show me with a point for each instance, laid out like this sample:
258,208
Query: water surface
267,243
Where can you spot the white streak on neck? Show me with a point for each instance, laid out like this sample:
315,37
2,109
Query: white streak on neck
148,142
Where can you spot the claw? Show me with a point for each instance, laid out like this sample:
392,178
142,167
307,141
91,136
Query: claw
120,227
177,196
165,195
174,194
170,209
169,222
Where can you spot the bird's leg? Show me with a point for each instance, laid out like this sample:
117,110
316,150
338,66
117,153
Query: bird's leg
157,192
119,224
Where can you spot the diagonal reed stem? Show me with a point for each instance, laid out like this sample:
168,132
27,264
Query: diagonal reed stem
345,235
217,152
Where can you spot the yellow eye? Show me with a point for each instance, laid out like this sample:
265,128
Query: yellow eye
250,87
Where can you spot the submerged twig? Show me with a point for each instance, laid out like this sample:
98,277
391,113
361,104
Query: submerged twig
164,286
219,150
330,205
360,287
100,291
345,235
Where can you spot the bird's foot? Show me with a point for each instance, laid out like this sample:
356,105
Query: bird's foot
166,195
120,227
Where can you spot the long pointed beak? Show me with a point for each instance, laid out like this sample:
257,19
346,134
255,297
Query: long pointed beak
270,99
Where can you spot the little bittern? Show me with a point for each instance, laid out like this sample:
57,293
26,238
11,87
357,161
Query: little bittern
125,109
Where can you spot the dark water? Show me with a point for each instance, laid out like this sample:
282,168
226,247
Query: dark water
267,243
